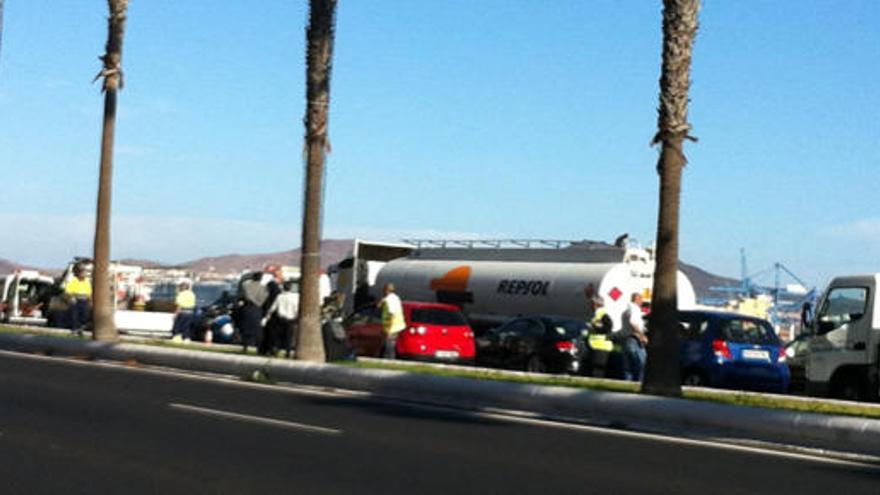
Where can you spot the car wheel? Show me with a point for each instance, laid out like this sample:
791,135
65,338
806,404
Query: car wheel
536,365
694,379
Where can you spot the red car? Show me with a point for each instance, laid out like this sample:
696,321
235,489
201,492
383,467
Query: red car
434,332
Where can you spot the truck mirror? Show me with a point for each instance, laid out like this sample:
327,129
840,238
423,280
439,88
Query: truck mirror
806,318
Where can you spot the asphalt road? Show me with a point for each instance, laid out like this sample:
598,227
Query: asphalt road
77,427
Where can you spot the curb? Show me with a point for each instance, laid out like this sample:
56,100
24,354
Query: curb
827,432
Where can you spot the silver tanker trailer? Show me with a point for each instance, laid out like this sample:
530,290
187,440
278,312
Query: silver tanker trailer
493,281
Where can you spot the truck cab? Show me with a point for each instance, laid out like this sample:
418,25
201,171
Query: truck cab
844,340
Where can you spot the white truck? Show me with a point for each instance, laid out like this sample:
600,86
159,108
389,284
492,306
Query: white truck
126,284
355,276
493,281
843,339
24,295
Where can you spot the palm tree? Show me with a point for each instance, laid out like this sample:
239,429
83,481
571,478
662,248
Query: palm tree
319,53
102,312
662,374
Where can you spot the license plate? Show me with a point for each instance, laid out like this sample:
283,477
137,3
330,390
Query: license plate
756,354
446,354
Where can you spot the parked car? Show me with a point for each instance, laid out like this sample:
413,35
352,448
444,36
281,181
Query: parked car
535,343
434,332
729,350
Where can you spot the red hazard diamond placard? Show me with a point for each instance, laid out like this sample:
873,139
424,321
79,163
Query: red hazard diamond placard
615,294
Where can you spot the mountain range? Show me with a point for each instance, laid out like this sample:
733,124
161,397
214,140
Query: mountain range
332,252
7,266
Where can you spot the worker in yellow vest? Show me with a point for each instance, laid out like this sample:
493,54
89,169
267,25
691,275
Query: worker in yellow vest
598,341
392,320
184,318
79,294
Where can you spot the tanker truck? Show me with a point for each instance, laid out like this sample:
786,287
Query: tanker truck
494,281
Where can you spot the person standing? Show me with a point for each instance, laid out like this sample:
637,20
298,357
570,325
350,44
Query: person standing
250,311
392,319
184,312
272,282
599,343
280,321
336,346
633,340
272,279
79,292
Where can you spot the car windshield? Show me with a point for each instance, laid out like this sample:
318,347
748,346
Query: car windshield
208,293
163,291
435,316
747,332
567,329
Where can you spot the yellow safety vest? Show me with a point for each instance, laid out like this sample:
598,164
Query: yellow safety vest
392,322
78,288
599,341
185,300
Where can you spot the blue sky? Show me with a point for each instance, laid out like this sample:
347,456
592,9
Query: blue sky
451,118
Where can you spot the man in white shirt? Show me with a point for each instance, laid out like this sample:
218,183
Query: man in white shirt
281,318
633,340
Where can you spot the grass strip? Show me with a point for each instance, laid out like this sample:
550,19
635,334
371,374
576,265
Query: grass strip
837,408
502,376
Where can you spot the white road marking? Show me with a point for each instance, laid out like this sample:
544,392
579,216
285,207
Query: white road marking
290,425
867,462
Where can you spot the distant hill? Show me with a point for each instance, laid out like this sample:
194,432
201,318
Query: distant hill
7,266
332,251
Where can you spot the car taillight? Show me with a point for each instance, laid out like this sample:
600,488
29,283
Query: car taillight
782,355
565,346
719,347
417,330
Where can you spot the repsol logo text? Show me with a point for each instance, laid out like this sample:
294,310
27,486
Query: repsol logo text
523,287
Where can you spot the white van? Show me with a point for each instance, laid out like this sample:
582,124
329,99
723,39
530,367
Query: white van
844,340
23,295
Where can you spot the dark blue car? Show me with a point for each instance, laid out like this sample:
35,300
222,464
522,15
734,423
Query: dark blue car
729,350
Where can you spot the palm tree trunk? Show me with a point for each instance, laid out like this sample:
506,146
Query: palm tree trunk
663,374
319,38
102,300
